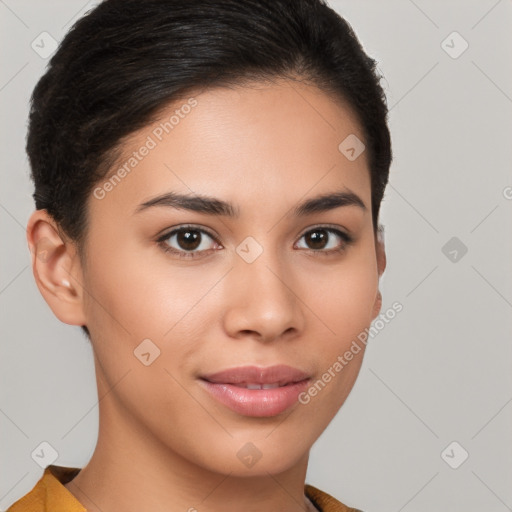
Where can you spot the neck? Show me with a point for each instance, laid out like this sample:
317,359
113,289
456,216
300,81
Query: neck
131,470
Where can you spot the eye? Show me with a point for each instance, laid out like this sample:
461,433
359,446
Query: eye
321,240
190,241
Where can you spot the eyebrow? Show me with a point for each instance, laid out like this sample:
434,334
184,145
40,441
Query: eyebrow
213,206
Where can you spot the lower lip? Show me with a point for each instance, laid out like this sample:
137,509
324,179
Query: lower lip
256,402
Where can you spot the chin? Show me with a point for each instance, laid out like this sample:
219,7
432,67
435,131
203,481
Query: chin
243,457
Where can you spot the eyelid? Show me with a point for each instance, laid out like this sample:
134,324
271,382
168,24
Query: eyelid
167,232
334,227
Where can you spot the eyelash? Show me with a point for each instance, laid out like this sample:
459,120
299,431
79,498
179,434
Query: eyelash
347,239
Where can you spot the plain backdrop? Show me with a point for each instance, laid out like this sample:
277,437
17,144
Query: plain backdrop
428,423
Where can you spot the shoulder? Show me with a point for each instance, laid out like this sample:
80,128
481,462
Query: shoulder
49,493
325,502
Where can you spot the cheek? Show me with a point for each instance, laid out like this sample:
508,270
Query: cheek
343,297
139,295
133,310
136,308
342,302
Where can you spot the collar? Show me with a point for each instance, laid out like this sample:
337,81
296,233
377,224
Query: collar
59,499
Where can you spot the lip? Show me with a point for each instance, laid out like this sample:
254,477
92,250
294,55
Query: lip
228,387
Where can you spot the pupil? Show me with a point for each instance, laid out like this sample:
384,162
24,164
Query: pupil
188,239
317,238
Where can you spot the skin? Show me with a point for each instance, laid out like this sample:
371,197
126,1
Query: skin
162,439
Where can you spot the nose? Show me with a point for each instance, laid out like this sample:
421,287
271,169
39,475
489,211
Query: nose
263,301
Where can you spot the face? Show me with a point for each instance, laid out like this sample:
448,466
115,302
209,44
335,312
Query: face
173,295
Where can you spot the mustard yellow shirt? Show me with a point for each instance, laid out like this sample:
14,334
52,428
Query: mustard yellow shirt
50,495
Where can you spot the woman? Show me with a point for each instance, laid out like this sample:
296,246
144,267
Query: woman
208,176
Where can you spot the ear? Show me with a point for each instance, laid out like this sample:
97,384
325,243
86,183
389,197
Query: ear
56,268
380,253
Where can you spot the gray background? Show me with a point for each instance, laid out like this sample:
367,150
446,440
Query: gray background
439,372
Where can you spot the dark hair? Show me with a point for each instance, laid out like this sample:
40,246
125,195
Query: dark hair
126,60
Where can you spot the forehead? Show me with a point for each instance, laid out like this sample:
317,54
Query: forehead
252,145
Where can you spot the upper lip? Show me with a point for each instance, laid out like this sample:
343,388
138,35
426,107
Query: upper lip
281,374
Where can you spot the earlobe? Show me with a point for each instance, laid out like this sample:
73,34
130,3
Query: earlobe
56,268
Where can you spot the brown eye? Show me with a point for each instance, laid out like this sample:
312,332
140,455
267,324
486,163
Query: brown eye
187,242
317,239
188,239
325,240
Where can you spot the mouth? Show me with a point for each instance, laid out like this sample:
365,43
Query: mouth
245,376
255,391
247,385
